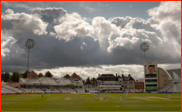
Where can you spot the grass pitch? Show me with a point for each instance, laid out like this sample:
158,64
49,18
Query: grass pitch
73,102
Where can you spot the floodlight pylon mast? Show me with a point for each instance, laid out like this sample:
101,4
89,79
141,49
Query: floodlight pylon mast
29,44
28,62
144,55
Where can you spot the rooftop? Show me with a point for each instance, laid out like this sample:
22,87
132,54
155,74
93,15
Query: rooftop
74,75
32,73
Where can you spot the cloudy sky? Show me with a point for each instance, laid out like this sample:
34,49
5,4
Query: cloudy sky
90,37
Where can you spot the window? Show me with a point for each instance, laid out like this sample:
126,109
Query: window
33,77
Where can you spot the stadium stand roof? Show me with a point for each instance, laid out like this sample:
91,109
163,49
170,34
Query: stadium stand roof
174,73
106,76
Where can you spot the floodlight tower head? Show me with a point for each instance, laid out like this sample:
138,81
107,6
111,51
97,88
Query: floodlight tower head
29,43
144,46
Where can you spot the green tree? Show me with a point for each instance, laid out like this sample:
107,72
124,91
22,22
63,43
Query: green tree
80,78
88,79
83,81
41,75
10,77
24,75
67,76
15,77
6,77
48,74
2,76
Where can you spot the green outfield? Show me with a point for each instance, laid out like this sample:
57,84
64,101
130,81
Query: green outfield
73,102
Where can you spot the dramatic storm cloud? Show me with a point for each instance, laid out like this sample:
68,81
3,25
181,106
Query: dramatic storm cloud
65,39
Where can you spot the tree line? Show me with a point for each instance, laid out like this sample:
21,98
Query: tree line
6,77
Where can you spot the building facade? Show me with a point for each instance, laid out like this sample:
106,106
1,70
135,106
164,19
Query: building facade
129,83
163,78
109,83
139,86
151,77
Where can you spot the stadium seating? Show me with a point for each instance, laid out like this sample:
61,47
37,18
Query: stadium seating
175,88
78,83
79,90
67,90
172,87
5,91
37,90
61,82
34,81
26,90
66,85
23,80
51,90
51,81
16,90
91,89
67,81
43,81
56,91
48,91
71,90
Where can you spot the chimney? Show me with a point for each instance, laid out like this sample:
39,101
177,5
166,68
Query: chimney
116,75
129,75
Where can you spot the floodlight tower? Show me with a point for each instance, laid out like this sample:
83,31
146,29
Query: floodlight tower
29,44
144,47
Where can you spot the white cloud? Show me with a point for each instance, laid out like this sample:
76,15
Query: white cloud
52,34
6,43
136,71
68,30
169,16
103,28
168,10
22,23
